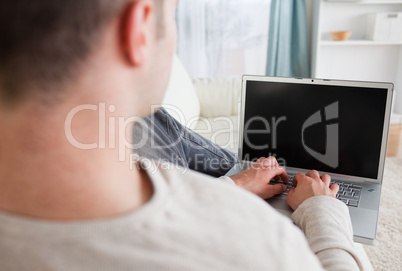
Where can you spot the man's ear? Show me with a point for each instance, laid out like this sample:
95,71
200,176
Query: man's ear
137,30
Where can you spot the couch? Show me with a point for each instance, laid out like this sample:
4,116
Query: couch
211,107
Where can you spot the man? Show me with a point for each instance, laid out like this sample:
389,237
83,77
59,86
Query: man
69,199
162,138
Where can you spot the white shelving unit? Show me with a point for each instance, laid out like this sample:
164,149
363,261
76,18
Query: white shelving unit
358,42
356,58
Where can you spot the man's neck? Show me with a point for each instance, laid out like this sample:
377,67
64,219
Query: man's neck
43,176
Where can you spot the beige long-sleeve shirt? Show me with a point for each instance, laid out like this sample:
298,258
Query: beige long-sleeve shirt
192,222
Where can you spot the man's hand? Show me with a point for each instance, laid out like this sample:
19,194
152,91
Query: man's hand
308,186
257,177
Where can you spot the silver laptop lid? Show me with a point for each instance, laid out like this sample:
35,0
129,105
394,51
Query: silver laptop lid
333,126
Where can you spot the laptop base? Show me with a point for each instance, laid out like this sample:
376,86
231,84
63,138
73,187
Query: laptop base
364,219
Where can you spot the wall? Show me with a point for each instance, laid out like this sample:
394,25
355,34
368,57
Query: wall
309,11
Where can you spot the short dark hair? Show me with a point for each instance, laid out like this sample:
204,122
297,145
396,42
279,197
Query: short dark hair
43,42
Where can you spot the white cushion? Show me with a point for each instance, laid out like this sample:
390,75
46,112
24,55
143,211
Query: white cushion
218,97
181,100
223,131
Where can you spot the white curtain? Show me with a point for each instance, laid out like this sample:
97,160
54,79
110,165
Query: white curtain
223,39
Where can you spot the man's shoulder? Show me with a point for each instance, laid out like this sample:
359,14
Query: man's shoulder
178,179
200,189
228,215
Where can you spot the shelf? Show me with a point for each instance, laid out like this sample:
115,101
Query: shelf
358,42
366,2
357,58
377,2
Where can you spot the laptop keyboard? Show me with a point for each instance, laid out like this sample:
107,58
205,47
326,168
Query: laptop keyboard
349,193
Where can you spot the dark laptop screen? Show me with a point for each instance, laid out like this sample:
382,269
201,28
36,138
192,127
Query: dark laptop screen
334,129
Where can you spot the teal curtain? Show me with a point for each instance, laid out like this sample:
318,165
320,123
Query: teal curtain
288,54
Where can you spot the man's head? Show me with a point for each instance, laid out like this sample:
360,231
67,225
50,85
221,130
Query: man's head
74,76
45,45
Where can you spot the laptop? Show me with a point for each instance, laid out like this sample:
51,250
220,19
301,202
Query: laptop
333,126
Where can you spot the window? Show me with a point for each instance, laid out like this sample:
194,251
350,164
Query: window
223,39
